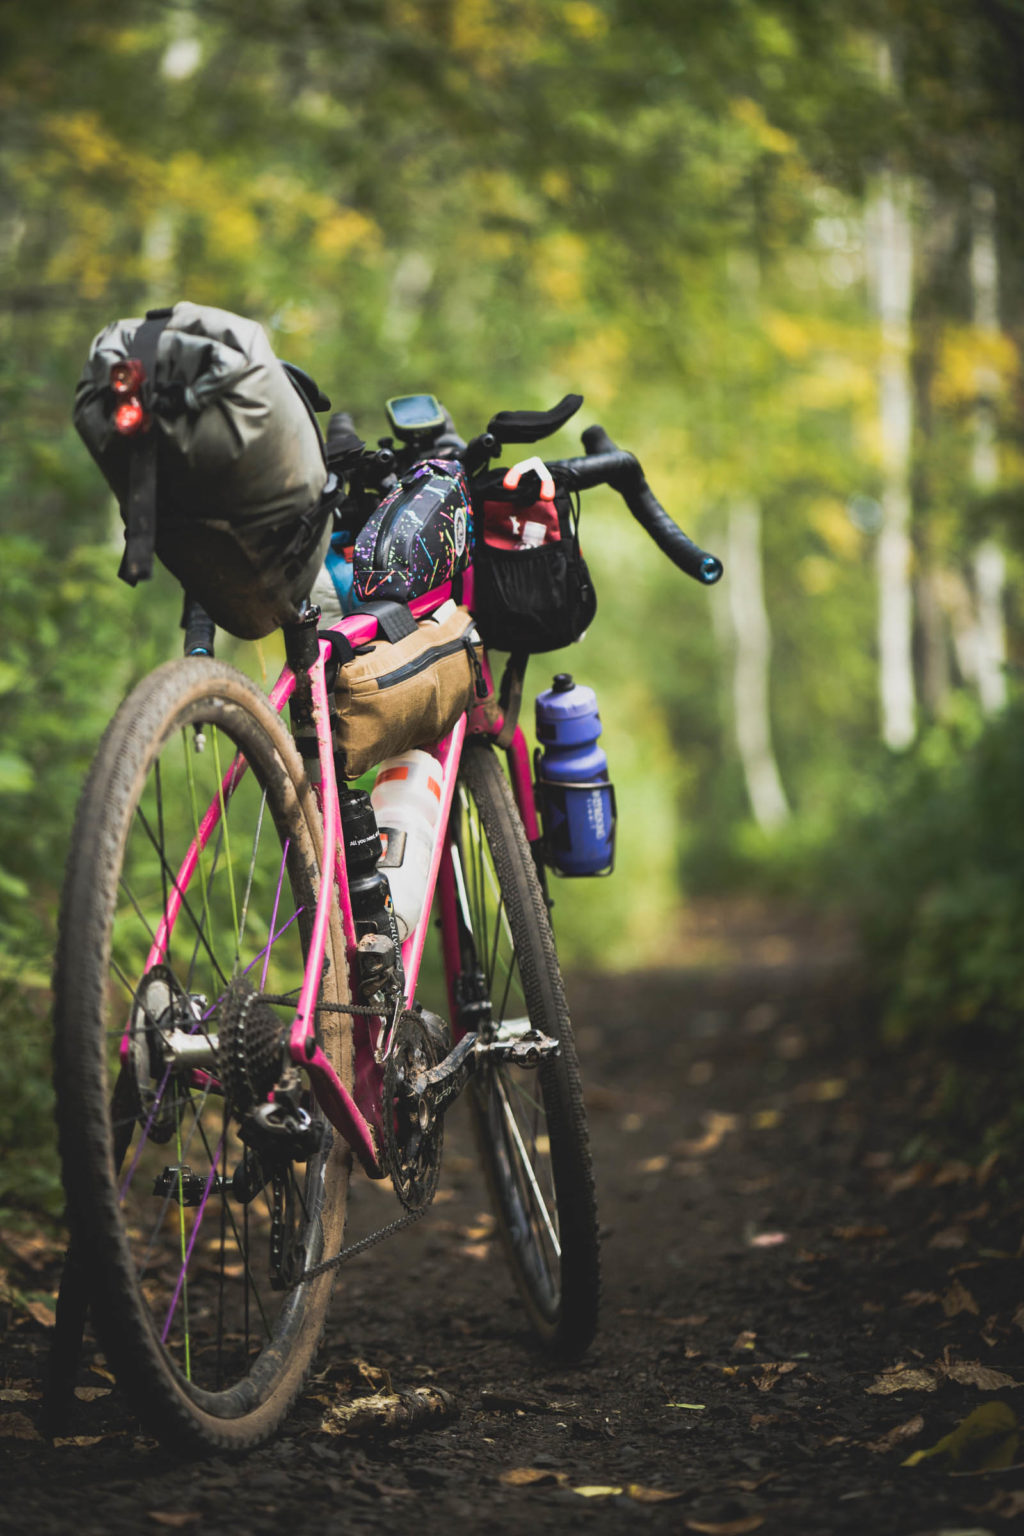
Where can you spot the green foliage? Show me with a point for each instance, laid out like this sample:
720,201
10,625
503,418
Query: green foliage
501,200
934,871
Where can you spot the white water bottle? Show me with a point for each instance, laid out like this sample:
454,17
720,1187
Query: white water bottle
406,799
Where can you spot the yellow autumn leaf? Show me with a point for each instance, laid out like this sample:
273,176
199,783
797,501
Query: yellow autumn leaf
644,1495
984,1441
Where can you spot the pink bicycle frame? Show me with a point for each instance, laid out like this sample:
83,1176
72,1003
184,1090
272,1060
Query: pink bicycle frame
356,1113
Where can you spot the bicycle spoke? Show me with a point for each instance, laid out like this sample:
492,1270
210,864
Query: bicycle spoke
211,857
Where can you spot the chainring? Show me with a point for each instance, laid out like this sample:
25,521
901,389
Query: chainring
249,1035
413,1133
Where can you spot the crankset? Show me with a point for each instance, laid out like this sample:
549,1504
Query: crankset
413,1127
422,1079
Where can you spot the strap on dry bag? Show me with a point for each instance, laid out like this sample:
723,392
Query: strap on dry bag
140,511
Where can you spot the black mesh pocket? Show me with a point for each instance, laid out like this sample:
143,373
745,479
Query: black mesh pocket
532,599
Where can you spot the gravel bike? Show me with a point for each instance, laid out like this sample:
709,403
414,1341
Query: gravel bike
226,1050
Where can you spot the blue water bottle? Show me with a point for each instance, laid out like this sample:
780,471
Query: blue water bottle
576,800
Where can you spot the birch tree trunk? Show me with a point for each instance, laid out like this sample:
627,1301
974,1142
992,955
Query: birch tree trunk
989,562
890,264
751,665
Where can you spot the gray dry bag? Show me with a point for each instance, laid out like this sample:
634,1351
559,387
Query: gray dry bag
215,455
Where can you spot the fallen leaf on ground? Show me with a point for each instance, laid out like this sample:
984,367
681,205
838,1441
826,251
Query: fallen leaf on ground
745,1340
970,1373
653,1164
718,1126
644,1495
532,1477
824,1092
32,1249
985,1440
692,1407
484,1226
17,1395
770,1373
896,1436
950,1237
726,1527
39,1305
922,1298
926,1378
90,1394
907,1178
904,1378
82,1441
18,1426
959,1299
598,1491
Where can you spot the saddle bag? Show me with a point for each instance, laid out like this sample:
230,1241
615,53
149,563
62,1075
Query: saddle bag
392,696
213,450
532,591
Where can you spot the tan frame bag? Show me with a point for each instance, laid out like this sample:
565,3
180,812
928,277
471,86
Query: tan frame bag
394,695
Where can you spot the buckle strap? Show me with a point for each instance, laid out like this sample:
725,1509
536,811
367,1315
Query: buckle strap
140,508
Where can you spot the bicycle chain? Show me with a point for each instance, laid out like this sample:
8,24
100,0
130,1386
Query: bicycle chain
372,1238
369,1241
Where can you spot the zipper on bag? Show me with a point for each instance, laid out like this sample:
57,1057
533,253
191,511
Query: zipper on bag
429,658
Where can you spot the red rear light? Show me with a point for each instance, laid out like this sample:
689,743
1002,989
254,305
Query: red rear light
126,378
130,417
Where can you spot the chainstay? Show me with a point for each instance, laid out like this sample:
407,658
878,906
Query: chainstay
370,1241
289,1002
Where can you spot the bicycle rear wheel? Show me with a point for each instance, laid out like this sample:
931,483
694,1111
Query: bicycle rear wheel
530,1123
194,1204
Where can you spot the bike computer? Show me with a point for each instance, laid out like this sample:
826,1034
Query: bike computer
415,416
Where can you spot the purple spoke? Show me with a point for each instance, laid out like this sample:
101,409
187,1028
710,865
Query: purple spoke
191,1243
273,915
144,1138
270,944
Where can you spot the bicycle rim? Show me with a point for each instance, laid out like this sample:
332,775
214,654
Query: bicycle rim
188,906
530,1124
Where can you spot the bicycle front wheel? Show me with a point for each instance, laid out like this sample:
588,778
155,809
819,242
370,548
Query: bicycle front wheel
530,1123
201,1178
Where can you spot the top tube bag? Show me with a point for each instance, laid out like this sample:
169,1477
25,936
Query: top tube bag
224,472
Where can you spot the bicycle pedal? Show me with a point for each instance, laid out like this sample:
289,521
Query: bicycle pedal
524,1051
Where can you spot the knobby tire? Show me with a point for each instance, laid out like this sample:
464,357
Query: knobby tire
530,1124
182,1270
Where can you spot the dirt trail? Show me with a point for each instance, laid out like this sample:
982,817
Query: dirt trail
795,1300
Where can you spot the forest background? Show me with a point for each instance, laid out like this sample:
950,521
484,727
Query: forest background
778,247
